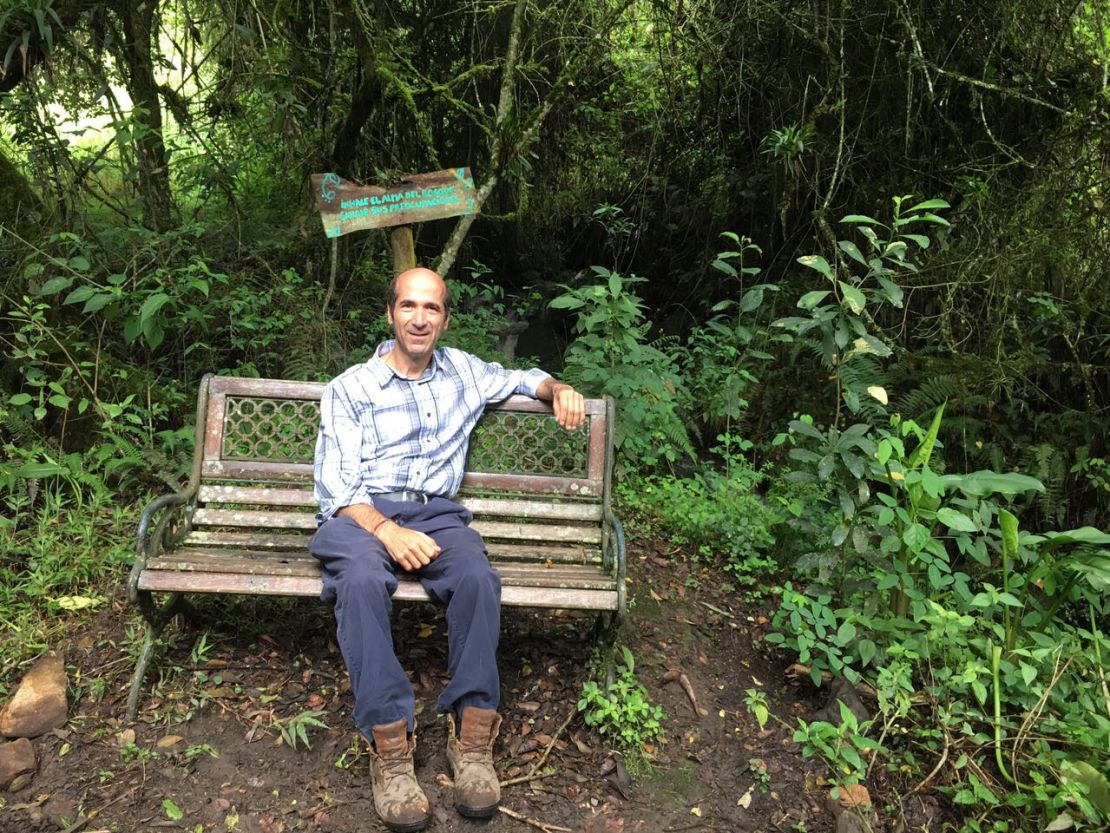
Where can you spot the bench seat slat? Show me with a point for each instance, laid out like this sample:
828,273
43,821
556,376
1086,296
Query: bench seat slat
280,544
258,564
484,506
173,581
249,540
488,529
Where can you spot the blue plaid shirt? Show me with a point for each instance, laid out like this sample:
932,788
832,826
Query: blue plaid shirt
381,432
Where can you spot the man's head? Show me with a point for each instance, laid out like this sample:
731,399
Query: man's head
448,299
419,310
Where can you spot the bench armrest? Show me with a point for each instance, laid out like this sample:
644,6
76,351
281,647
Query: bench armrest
142,543
613,558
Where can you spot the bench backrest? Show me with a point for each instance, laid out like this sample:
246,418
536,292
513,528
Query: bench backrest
527,479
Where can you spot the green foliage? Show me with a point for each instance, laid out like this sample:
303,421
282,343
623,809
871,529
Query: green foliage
294,729
723,355
622,713
611,356
718,517
842,746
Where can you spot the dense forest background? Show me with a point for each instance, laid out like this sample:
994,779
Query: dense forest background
155,161
757,224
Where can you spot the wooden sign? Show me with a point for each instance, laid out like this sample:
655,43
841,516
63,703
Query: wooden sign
346,206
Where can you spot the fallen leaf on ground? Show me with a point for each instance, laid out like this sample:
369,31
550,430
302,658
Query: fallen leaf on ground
745,800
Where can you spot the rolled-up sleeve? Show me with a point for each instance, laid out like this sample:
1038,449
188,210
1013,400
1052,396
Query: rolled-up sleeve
339,449
497,383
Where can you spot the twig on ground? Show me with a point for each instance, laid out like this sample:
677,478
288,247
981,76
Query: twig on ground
928,779
541,825
535,767
676,676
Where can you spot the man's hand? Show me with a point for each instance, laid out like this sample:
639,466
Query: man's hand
409,548
569,405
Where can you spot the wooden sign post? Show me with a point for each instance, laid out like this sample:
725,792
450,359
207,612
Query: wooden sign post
346,207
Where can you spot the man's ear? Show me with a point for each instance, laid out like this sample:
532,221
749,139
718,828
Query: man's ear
389,314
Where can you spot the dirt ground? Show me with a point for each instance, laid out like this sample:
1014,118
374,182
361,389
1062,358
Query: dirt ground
205,754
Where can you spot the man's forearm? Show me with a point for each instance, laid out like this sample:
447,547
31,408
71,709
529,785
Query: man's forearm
365,516
549,387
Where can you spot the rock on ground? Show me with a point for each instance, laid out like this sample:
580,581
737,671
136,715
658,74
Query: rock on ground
16,758
39,703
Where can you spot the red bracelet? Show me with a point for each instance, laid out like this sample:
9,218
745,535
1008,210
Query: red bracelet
377,526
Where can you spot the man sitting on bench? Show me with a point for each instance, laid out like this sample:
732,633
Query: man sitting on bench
393,439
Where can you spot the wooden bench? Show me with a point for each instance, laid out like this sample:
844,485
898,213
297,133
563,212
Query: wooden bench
540,497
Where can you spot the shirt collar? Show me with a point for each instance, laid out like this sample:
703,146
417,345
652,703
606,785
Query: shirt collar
383,373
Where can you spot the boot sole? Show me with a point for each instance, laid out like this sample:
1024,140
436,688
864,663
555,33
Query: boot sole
411,827
476,812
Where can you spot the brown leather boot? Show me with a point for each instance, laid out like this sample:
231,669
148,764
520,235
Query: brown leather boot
477,791
400,802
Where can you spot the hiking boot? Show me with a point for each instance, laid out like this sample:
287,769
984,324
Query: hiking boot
400,802
477,791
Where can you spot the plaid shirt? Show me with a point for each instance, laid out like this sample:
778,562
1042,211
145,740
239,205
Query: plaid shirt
381,432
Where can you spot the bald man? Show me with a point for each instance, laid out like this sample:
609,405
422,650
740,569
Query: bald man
394,432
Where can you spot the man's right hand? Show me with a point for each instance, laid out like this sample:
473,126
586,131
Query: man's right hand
409,548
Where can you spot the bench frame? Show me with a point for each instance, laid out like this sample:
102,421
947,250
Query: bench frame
530,580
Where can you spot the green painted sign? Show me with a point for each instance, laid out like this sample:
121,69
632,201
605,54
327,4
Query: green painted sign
346,206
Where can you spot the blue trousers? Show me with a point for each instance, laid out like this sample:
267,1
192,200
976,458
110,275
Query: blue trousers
360,579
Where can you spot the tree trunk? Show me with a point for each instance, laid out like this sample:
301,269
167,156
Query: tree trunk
138,20
20,208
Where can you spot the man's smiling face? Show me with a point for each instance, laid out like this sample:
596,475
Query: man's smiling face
419,315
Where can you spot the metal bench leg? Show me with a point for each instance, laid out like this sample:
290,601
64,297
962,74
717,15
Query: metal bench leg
605,630
156,617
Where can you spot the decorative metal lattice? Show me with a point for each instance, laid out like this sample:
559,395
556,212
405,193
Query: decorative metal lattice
270,430
258,429
526,443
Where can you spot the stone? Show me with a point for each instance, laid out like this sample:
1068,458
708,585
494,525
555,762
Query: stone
842,691
39,703
851,804
17,758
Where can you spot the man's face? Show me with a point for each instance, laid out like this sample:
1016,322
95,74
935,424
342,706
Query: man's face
419,316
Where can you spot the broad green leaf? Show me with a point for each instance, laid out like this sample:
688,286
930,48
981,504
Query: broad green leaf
751,299
812,299
1098,787
32,470
852,250
817,263
986,482
80,294
924,451
892,291
173,812
929,205
566,302
878,393
79,263
151,306
98,302
920,239
867,650
1083,535
20,399
956,520
933,218
614,284
860,218
55,285
725,266
856,302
